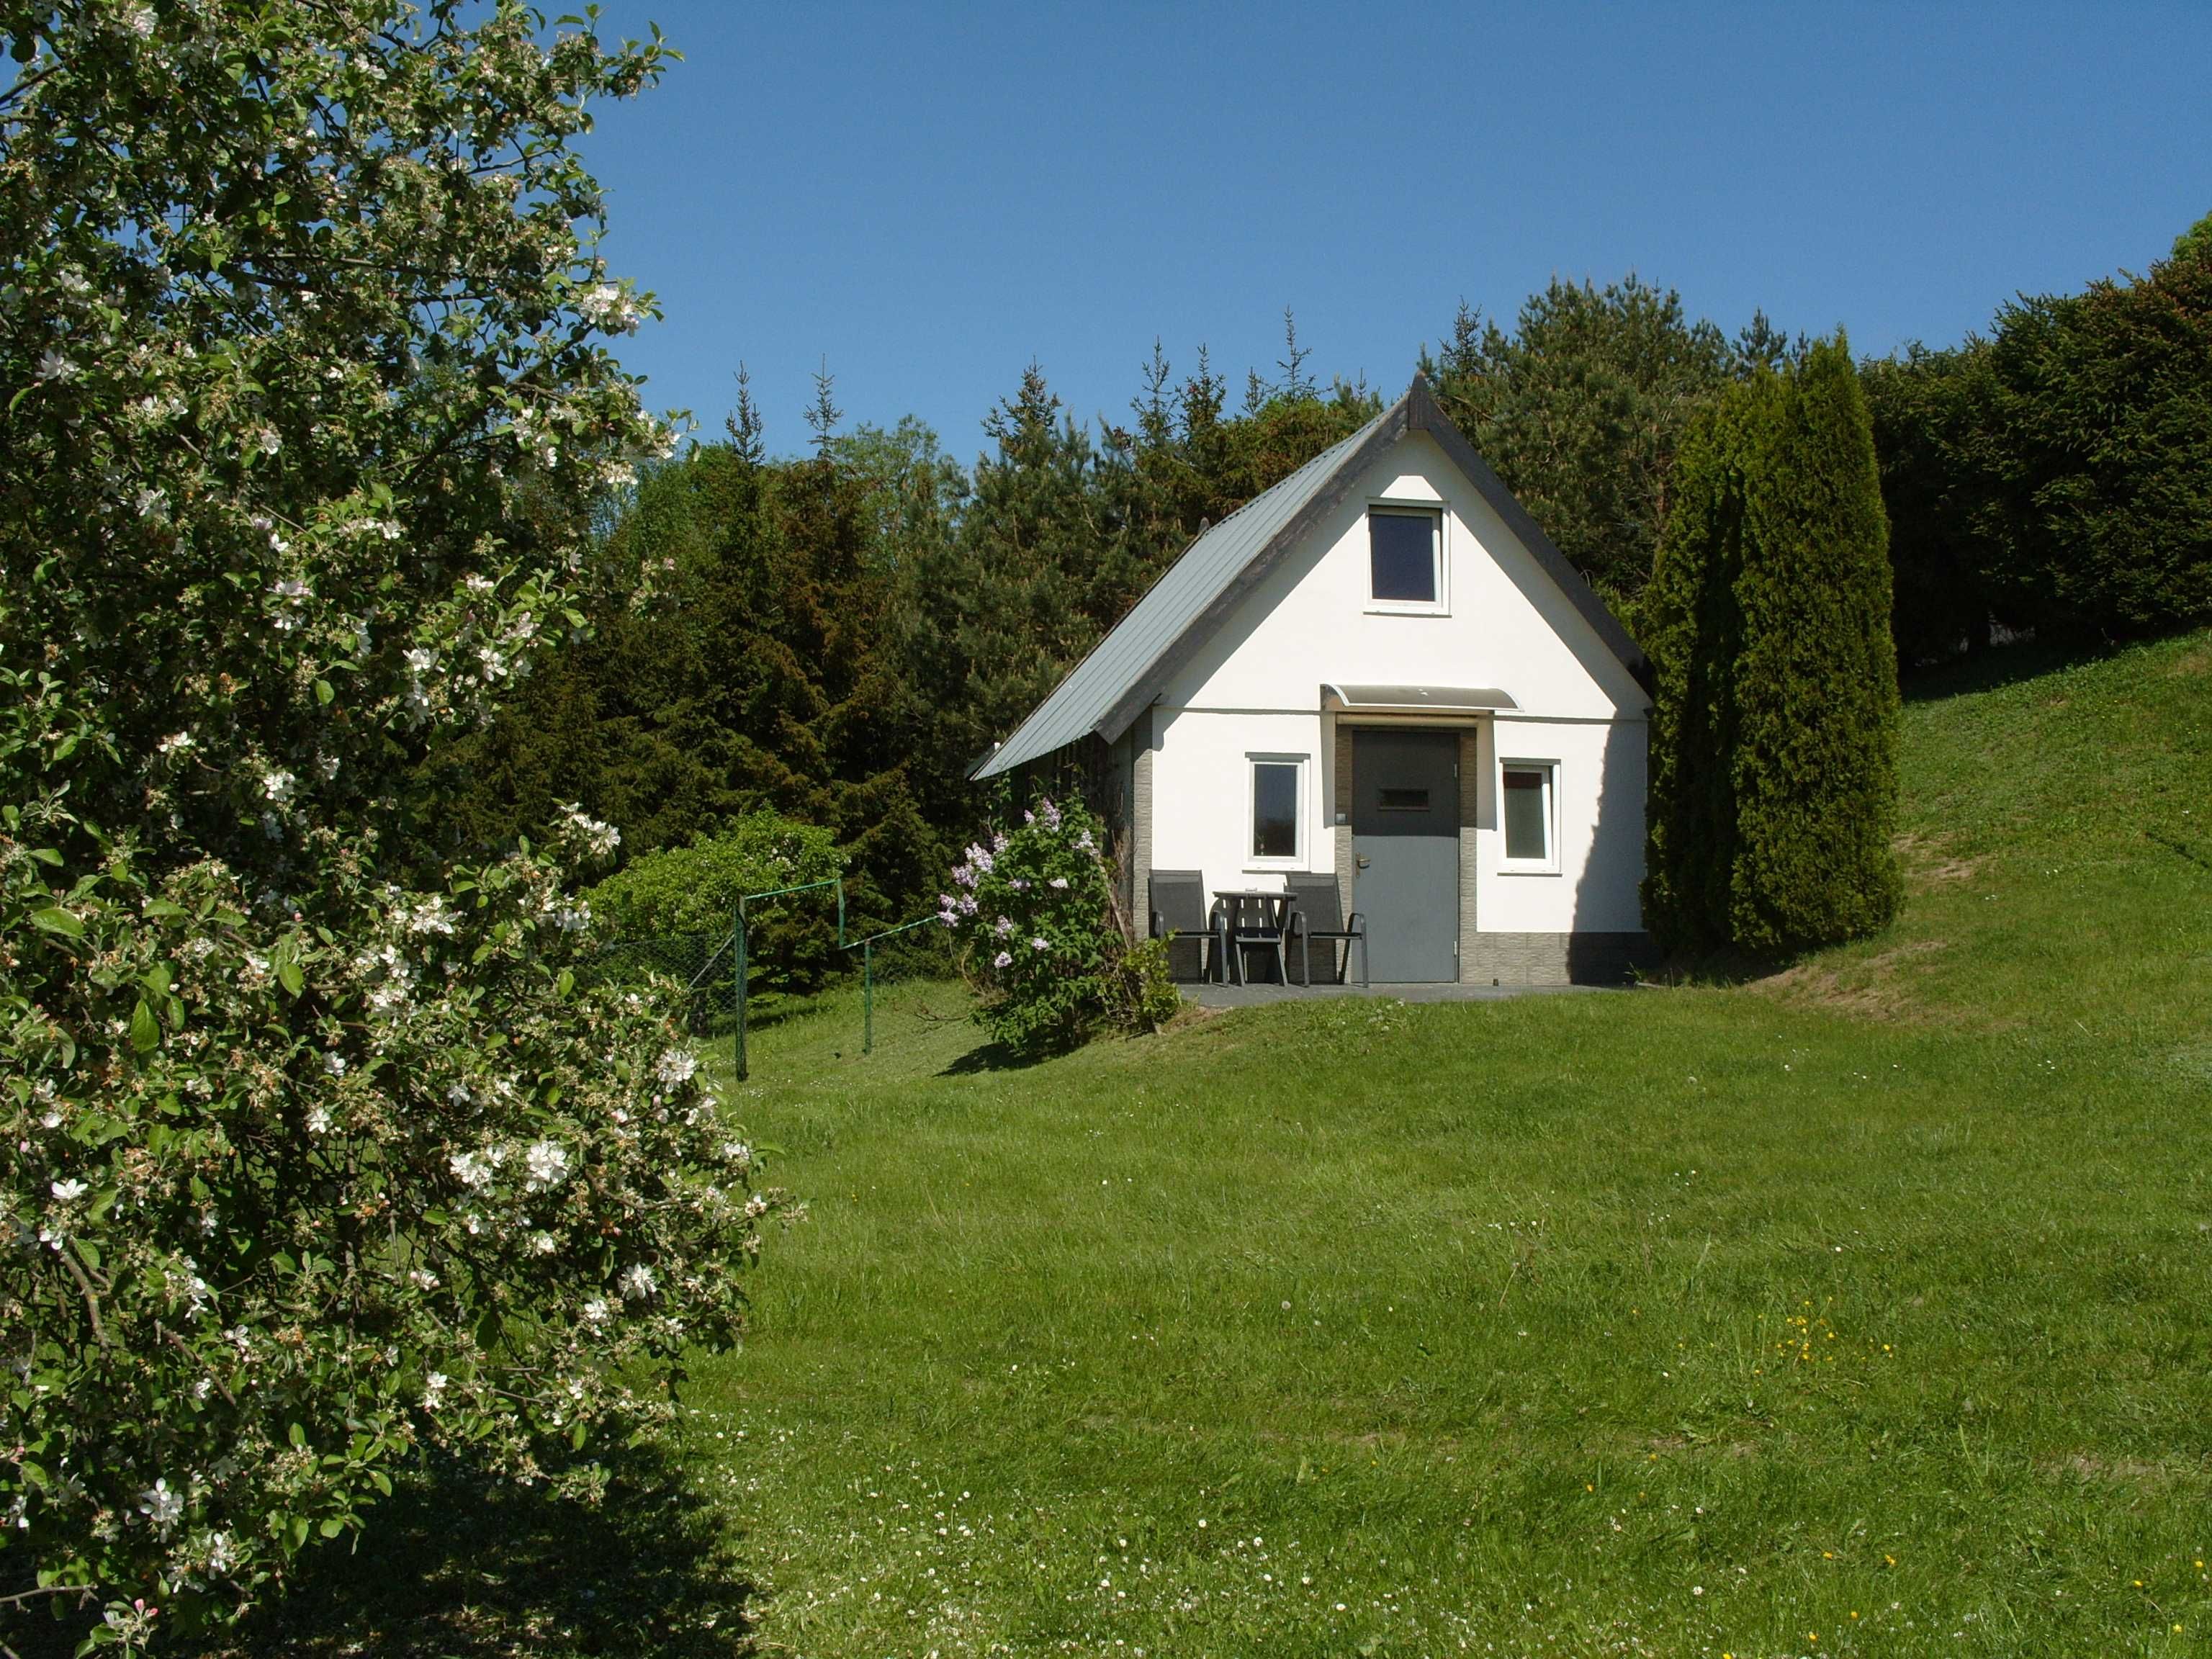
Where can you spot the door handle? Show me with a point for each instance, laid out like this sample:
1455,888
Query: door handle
1363,862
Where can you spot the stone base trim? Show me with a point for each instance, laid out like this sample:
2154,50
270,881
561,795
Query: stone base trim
1555,959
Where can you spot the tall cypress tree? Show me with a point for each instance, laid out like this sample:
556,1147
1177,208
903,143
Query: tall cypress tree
1774,730
1816,751
1694,634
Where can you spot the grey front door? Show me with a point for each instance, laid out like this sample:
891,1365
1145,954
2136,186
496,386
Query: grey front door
1405,842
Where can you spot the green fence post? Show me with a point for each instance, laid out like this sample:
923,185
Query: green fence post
868,997
738,953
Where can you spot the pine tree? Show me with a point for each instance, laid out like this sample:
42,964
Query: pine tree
1814,762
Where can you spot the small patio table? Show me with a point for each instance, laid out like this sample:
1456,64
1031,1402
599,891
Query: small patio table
1256,915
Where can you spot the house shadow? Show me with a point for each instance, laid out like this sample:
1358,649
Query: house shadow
463,1567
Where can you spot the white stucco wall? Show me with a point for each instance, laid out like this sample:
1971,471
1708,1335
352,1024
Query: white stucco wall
1254,688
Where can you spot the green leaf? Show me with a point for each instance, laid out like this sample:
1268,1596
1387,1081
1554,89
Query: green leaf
145,1030
296,1435
54,919
323,695
331,1526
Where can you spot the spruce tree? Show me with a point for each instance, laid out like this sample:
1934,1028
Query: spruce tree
1813,770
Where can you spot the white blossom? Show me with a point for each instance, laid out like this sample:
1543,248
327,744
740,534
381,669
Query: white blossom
318,1119
222,1555
595,1311
636,1282
547,1162
53,366
472,1170
433,1390
676,1067
163,1507
177,743
67,1191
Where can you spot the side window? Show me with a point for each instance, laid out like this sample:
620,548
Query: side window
1278,787
1526,795
1405,548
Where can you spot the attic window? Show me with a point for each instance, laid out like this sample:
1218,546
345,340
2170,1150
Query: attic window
1403,545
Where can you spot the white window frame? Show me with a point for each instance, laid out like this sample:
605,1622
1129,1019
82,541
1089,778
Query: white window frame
1549,864
1253,762
1439,607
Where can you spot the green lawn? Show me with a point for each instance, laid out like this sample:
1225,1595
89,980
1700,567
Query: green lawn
1862,1311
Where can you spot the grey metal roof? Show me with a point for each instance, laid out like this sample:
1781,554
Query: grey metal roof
1126,670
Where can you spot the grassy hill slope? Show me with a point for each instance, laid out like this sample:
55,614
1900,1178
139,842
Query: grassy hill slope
1860,1310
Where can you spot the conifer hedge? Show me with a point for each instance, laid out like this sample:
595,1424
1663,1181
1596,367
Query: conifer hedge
1774,739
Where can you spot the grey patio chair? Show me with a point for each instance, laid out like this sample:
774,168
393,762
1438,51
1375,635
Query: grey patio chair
1317,918
1180,916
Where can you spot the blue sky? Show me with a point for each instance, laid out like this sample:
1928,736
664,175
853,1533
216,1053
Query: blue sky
930,197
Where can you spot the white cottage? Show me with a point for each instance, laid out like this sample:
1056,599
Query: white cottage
1380,669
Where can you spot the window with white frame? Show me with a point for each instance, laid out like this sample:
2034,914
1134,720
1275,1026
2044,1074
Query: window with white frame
1529,811
1278,808
1404,558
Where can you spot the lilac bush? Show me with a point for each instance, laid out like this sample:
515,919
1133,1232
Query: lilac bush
1033,913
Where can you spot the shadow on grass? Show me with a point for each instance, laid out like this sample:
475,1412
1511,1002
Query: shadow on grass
462,1568
2000,665
992,1057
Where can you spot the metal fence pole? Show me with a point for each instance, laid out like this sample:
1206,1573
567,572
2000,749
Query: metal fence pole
740,956
868,997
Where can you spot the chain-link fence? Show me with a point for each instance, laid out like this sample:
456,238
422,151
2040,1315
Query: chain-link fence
706,970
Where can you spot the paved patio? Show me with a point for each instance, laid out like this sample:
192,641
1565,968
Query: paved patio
1251,996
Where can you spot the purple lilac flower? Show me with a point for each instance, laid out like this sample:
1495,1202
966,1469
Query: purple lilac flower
1084,841
1060,882
981,859
1002,960
1049,813
1017,884
1005,926
1040,943
965,874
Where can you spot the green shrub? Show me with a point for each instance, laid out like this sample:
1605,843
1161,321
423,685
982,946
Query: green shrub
1033,915
791,945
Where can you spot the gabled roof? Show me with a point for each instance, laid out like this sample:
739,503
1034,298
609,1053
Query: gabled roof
1127,668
